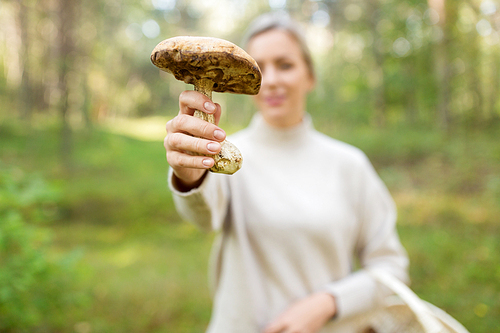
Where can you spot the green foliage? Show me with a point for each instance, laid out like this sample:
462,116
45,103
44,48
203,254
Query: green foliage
35,288
402,60
146,270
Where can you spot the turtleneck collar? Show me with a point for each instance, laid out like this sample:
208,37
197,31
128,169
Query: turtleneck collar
278,135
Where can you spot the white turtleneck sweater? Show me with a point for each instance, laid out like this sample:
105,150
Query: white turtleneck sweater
302,212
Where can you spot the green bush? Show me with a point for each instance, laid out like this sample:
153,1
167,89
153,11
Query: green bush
35,286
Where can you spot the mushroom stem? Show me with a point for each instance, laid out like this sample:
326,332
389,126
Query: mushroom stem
205,87
229,159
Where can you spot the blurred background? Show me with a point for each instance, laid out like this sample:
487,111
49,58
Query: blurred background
89,238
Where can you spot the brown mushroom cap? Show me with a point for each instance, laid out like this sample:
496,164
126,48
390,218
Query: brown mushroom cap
191,59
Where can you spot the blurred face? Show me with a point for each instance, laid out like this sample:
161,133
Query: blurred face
286,79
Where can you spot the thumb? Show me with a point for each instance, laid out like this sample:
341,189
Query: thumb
218,113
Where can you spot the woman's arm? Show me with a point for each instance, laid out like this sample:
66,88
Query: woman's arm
199,197
377,247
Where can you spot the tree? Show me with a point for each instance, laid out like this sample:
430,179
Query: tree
66,48
446,16
25,89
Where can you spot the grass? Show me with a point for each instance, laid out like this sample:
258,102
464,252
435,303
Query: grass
143,279
145,270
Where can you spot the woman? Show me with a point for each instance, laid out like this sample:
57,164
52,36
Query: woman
302,210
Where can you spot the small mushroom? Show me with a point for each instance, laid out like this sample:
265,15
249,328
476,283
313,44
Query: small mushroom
211,64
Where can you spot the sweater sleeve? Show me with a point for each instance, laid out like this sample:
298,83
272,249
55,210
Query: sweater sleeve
204,206
377,247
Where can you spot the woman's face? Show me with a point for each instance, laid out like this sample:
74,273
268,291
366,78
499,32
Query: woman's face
286,78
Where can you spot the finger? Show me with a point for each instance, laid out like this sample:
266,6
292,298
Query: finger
178,159
183,142
191,100
196,127
276,327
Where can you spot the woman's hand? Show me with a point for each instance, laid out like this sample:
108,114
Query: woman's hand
307,315
188,137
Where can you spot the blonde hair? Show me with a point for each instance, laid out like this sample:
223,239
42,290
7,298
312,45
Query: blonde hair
282,21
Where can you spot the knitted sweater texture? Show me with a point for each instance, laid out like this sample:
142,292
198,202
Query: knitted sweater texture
306,213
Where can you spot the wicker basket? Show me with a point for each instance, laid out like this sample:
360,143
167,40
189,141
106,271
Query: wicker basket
406,312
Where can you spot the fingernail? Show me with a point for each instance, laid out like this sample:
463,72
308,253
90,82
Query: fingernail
213,147
207,162
209,106
219,135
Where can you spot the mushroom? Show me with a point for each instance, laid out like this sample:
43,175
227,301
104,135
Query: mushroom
211,64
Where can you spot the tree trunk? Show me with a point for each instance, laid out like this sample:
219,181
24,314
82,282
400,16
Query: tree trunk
66,46
25,89
378,93
443,73
411,98
442,53
493,112
475,83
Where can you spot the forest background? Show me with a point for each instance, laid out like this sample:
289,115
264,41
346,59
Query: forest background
89,238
